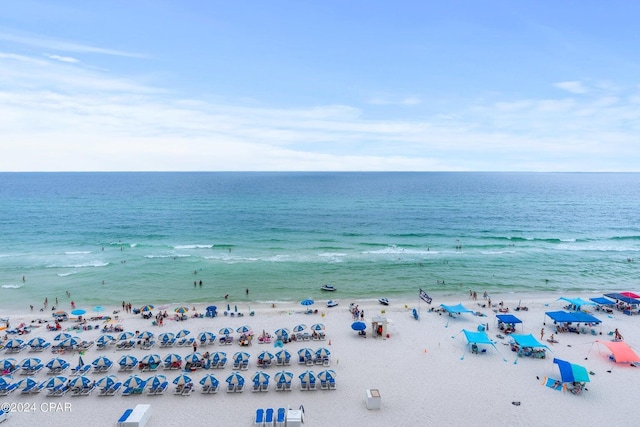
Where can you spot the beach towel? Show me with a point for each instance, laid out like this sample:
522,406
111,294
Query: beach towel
553,384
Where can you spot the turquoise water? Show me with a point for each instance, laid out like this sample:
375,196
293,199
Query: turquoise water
141,237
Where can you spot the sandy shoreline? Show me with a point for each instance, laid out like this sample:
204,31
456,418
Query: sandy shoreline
424,371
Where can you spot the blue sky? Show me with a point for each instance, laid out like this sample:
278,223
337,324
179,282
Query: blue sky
319,85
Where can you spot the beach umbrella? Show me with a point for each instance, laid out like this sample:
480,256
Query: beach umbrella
8,364
123,336
151,359
299,328
235,379
182,379
98,308
225,331
166,336
25,383
630,295
102,361
70,342
172,358
283,377
327,375
206,336
62,336
80,382
104,339
218,356
241,357
283,354
4,380
36,342
323,352
265,356
358,326
182,333
181,310
307,377
78,312
57,363
156,380
13,343
56,381
107,381
147,307
305,353
570,372
145,335
134,381
127,360
243,329
282,333
209,380
193,357
317,327
30,363
306,302
260,378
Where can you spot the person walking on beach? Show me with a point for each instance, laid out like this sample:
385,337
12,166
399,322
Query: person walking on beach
541,333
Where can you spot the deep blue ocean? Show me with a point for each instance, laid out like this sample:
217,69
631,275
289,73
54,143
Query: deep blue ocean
146,237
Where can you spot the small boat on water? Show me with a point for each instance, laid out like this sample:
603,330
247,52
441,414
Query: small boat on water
328,288
332,303
383,301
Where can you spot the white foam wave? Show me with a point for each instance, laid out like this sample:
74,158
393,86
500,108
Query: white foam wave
332,254
77,252
497,252
167,256
193,247
394,250
88,264
66,274
11,286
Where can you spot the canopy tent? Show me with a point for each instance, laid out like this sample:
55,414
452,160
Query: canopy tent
456,309
507,319
474,338
528,341
602,301
578,317
572,373
630,295
576,303
623,298
621,351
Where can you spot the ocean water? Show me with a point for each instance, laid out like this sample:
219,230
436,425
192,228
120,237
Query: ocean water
146,237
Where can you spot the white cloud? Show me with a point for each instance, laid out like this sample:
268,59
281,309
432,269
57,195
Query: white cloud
63,58
575,87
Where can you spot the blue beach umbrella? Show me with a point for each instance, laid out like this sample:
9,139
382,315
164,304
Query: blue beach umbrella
30,363
218,357
107,381
104,339
8,364
265,356
307,377
62,336
323,352
358,326
172,358
182,333
98,308
225,331
145,335
151,359
13,343
166,337
80,382
206,336
123,336
57,363
102,361
25,383
70,342
241,357
78,312
127,360
283,354
193,357
299,328
182,379
134,381
209,380
305,353
5,380
260,378
317,327
156,380
235,379
243,329
283,377
55,382
306,302
282,333
327,375
36,342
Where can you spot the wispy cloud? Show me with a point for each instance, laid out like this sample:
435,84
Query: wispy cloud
62,58
572,87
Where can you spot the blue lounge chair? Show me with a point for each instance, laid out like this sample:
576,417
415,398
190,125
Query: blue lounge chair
268,418
281,417
259,421
114,389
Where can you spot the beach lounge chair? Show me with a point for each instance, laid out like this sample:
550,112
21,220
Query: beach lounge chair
259,420
127,391
268,417
287,386
32,370
279,386
256,386
8,389
332,384
178,389
231,388
114,389
162,387
205,389
187,389
281,417
304,386
213,389
312,386
40,348
81,369
239,388
264,387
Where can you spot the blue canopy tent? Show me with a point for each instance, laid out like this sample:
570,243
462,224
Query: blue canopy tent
526,345
570,372
568,318
455,309
623,298
475,338
507,319
602,301
576,303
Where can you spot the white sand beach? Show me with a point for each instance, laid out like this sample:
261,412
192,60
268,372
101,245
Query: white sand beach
424,371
